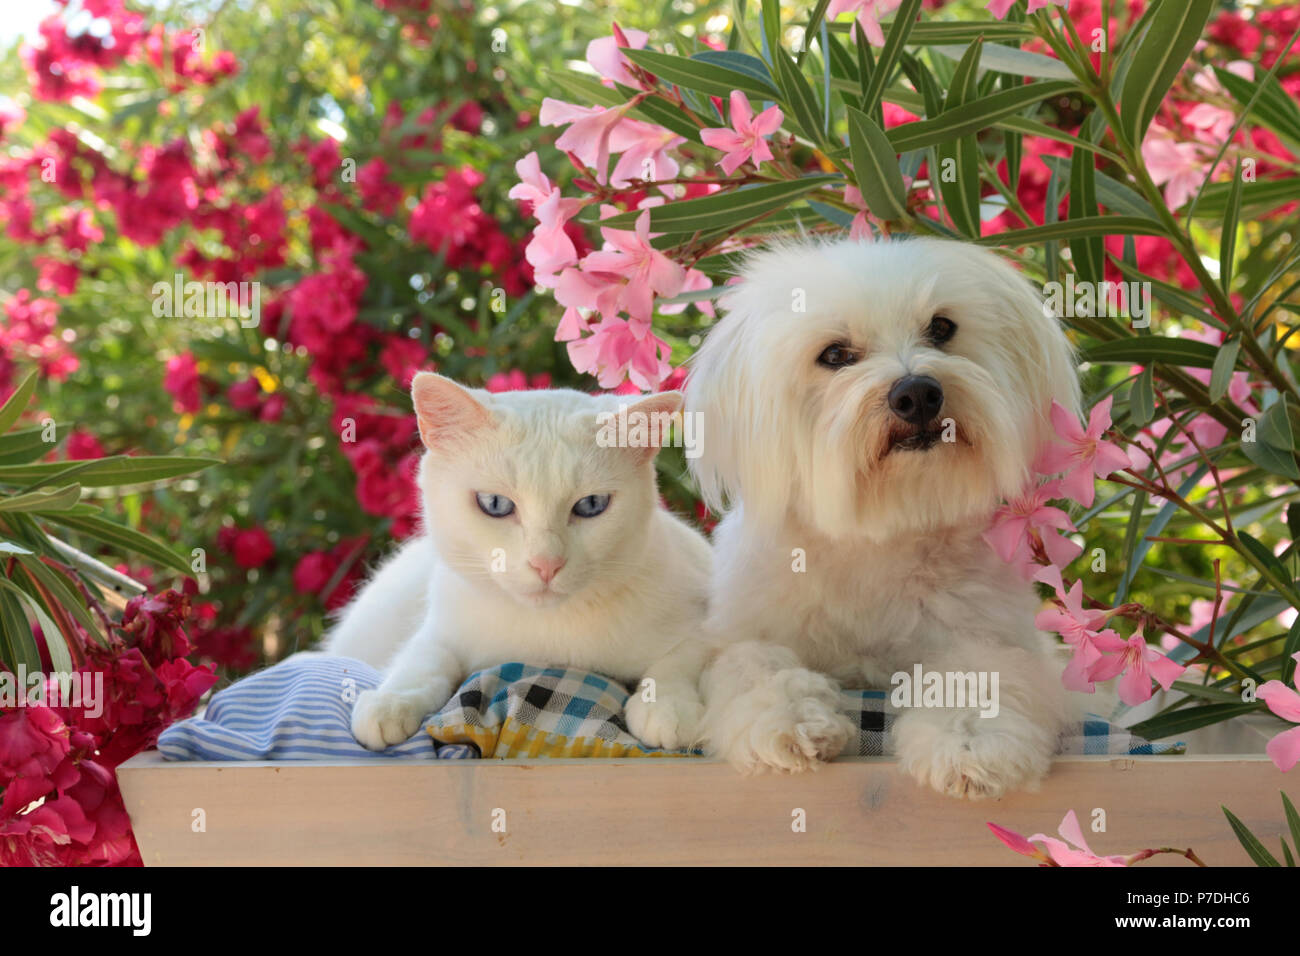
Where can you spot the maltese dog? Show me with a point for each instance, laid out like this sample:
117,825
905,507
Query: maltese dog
869,404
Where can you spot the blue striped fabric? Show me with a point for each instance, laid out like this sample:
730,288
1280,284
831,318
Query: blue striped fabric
300,709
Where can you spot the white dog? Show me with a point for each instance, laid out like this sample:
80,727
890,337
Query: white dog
868,405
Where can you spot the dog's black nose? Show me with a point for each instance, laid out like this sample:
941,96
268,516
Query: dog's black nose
916,399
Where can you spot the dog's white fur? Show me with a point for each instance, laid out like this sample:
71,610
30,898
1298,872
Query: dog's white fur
896,570
628,602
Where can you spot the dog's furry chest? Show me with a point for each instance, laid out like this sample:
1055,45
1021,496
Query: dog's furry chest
862,612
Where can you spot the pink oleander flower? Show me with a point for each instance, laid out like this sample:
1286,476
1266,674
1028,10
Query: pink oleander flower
1081,454
588,135
1284,749
869,14
645,153
604,56
860,228
1028,520
551,248
745,139
1077,627
1073,851
646,269
999,8
1178,166
1214,122
1138,661
617,348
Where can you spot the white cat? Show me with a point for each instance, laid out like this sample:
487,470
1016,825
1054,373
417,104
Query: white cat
541,546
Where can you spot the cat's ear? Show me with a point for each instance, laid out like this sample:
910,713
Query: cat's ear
446,410
659,411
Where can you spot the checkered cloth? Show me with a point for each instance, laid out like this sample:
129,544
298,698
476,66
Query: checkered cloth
517,710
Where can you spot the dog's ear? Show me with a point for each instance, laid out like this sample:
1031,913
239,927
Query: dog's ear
1044,354
739,455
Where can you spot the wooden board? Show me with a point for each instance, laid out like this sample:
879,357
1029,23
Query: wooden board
858,811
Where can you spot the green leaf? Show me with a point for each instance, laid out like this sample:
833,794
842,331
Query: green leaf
719,211
117,470
586,89
1263,554
739,62
875,167
1089,252
903,25
1225,363
1032,127
1142,399
59,500
1273,107
704,75
770,13
28,444
951,31
1189,719
814,24
1145,349
17,642
1175,27
960,194
12,408
1275,426
1270,459
1228,235
799,97
1111,193
1292,819
1254,849
667,115
1170,295
1072,228
55,642
970,117
59,588
1289,649
1006,59
1265,194
123,538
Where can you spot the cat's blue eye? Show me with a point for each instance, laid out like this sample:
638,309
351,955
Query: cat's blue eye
591,506
494,506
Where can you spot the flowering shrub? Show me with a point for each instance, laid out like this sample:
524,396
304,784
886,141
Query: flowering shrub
1136,159
233,239
146,198
80,691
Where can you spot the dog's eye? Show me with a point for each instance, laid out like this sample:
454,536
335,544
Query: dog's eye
837,355
941,329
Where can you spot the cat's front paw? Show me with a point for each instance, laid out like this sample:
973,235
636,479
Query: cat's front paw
974,763
381,719
671,720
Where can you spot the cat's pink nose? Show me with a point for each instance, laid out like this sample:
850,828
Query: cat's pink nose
545,567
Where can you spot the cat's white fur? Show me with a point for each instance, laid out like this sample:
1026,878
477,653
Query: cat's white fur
844,559
628,602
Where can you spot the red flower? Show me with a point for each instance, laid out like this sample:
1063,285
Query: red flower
82,445
252,547
182,382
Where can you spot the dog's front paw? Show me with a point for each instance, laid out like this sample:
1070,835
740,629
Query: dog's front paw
381,719
671,720
790,723
971,763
